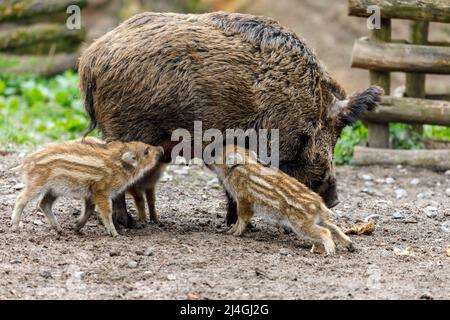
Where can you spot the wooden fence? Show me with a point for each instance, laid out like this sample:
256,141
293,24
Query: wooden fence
416,57
29,43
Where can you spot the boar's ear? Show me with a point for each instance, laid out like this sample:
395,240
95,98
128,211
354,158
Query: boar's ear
130,158
347,112
233,159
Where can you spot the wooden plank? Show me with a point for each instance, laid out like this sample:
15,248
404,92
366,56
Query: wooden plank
423,10
12,10
31,38
411,110
432,159
378,133
35,64
415,82
394,57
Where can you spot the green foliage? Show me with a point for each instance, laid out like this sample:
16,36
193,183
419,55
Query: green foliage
436,132
404,137
350,137
35,110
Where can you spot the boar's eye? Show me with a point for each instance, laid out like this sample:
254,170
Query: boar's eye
146,152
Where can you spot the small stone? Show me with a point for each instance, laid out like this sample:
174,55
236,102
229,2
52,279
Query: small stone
171,277
372,217
445,226
45,274
430,211
132,264
148,252
75,212
424,195
400,193
397,215
213,182
38,222
18,186
447,173
204,197
414,182
371,192
389,180
114,253
426,296
166,177
77,276
284,252
182,170
366,177
447,192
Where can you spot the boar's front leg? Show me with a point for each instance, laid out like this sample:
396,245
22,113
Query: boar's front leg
231,217
121,215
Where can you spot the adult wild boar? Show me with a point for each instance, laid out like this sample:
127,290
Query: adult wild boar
158,72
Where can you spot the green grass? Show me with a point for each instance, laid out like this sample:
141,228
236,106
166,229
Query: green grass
35,110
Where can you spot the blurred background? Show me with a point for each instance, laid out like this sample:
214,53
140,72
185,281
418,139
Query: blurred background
39,97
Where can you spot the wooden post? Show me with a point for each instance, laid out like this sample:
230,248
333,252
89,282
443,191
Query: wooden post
379,132
415,82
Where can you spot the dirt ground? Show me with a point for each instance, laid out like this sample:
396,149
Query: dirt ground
188,252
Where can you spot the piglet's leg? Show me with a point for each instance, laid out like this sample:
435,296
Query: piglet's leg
46,206
22,199
138,197
319,235
104,207
244,213
151,199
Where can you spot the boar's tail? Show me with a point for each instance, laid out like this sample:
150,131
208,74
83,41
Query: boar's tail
89,106
360,103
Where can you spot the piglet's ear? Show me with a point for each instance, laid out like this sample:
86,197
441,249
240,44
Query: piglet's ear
233,159
130,158
253,155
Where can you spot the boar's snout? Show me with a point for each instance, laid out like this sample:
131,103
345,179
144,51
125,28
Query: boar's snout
328,191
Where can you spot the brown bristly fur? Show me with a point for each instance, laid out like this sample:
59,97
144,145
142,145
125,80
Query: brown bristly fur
257,188
90,169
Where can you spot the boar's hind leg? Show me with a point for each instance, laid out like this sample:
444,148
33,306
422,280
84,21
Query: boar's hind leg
121,215
88,209
46,206
231,217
